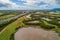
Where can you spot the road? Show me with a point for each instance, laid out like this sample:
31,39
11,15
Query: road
15,17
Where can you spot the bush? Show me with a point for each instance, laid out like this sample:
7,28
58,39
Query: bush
32,23
21,25
12,37
46,25
55,23
58,30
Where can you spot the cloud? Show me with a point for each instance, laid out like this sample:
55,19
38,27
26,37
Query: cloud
58,2
1,5
42,4
37,2
8,4
29,4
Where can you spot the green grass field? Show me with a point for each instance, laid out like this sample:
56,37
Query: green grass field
6,16
1,14
11,28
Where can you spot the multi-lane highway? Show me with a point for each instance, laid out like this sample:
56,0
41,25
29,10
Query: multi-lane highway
15,17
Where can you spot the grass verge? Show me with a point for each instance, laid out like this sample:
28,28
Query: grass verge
11,28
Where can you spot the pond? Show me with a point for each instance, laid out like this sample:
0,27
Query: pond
31,33
47,19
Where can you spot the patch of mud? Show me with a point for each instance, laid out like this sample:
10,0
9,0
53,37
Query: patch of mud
35,34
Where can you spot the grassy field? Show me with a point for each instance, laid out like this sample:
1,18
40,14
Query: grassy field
11,28
1,14
6,16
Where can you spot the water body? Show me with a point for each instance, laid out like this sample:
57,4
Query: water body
47,19
28,16
35,34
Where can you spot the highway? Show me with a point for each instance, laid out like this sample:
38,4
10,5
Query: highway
15,17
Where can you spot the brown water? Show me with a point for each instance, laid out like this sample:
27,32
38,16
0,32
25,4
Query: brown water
35,34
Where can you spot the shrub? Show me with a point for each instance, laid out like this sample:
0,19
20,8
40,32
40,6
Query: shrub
46,25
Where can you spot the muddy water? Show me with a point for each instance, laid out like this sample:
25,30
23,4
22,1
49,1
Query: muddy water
28,16
35,34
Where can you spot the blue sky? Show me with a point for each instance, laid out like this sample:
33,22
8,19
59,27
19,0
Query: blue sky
29,4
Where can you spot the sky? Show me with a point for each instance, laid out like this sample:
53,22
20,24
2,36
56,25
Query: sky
29,4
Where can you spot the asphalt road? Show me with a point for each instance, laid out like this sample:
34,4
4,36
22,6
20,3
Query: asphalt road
15,17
